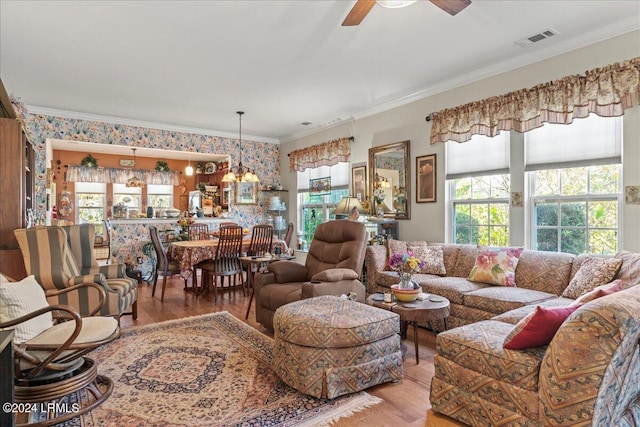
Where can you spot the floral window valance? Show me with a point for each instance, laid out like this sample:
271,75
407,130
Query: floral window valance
121,176
326,154
606,91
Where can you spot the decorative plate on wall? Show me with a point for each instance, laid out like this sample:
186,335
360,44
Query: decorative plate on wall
209,167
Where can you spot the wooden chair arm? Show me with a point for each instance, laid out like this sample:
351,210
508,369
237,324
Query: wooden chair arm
57,350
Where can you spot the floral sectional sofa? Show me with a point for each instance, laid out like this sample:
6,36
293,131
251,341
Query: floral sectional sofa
586,373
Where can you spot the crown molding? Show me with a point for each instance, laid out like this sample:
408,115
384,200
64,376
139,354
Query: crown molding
45,111
399,100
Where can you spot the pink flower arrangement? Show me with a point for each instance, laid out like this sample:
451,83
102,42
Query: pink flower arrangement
405,262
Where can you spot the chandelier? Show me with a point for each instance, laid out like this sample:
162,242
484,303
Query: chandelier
242,173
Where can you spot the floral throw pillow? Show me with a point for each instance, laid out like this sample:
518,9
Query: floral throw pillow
593,272
496,266
538,327
433,258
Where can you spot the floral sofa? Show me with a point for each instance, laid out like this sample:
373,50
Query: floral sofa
587,374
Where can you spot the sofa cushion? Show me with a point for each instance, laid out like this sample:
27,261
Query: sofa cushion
465,260
452,288
432,257
495,299
594,271
629,271
496,266
600,291
537,328
544,271
479,347
333,322
517,314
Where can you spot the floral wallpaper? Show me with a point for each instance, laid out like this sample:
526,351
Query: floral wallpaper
261,156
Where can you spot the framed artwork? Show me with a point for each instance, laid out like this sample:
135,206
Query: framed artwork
426,178
246,193
320,186
632,195
359,182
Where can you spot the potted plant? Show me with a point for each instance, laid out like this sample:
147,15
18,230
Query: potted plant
89,161
199,168
162,166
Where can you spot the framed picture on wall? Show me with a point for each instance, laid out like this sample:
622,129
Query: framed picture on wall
426,178
320,186
246,193
359,182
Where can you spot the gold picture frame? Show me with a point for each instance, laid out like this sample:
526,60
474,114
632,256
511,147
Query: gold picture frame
246,193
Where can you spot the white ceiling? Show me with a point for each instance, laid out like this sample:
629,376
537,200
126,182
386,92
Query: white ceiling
193,64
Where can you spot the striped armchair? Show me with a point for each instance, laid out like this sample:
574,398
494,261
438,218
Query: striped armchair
60,257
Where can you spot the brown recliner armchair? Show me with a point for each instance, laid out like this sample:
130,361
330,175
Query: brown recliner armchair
333,264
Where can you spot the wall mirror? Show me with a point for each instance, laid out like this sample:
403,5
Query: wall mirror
389,174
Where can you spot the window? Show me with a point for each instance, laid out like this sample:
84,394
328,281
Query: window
90,200
575,210
159,196
479,189
129,196
481,210
574,180
314,210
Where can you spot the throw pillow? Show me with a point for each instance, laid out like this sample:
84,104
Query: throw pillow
496,266
433,258
394,247
600,291
537,328
20,298
593,272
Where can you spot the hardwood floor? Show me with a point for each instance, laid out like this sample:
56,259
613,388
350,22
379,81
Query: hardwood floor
404,403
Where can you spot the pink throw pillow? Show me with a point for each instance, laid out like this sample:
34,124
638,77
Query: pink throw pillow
496,266
538,328
600,291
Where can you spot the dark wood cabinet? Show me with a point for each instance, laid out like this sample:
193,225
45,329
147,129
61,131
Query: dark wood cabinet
16,186
222,198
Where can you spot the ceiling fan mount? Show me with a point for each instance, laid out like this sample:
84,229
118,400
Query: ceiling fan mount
363,7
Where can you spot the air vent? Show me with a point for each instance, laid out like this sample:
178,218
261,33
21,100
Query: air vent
305,123
535,38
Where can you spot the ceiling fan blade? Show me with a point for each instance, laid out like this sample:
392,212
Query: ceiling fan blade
452,7
359,11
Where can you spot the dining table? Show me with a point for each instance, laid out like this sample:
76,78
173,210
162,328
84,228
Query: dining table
189,253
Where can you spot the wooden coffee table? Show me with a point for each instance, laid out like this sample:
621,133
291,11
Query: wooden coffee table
415,312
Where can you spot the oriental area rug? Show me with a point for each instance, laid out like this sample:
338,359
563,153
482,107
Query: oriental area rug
210,370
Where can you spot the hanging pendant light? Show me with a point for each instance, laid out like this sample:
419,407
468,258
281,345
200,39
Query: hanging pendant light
134,181
242,173
189,169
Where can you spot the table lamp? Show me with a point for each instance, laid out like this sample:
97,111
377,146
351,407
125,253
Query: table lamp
349,207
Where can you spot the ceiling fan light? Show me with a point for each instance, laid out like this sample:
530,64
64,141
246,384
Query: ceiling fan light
395,4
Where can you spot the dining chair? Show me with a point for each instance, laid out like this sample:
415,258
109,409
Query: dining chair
261,243
226,262
164,266
288,235
198,232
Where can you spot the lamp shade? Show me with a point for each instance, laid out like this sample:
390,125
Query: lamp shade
347,205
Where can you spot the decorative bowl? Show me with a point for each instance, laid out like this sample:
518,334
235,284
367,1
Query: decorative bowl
405,294
172,213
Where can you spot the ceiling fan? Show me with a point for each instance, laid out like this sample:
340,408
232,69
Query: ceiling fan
362,8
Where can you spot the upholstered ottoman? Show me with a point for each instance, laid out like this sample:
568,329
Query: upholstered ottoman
328,346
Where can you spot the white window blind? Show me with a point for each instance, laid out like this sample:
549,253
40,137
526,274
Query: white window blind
590,141
479,156
339,175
